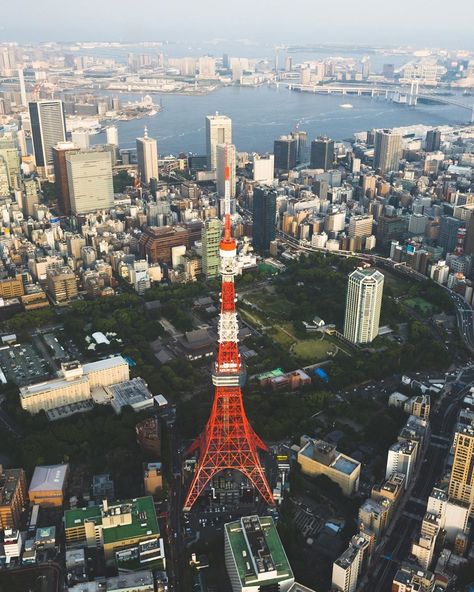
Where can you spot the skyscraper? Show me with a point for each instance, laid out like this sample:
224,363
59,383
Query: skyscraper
211,238
264,214
112,135
48,127
461,483
363,305
147,157
433,140
388,146
322,153
225,161
21,77
218,131
60,174
90,182
285,152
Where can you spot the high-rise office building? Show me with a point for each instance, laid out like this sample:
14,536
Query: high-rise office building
263,168
461,483
387,152
147,158
285,152
81,139
90,182
48,127
433,140
112,135
225,159
363,305
60,174
9,154
218,131
211,237
264,214
322,154
301,138
21,78
448,232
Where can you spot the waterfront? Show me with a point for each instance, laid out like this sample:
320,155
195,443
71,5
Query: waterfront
261,114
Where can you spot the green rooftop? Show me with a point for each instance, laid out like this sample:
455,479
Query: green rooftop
242,552
144,519
76,518
144,522
270,374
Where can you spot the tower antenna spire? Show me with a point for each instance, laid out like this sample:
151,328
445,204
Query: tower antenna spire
228,440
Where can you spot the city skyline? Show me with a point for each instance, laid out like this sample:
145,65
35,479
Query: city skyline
113,21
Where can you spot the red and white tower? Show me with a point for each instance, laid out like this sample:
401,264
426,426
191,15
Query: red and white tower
228,441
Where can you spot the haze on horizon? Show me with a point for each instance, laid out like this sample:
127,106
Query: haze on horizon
410,22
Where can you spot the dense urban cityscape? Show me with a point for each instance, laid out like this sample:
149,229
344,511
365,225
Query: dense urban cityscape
237,317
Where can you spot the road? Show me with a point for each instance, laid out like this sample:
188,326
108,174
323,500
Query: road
397,547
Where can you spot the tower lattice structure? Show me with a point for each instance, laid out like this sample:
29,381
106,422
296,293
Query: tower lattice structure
228,440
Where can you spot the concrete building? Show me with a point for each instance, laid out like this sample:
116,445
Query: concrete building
402,458
48,485
218,131
453,515
74,384
285,153
60,174
387,152
147,158
348,567
48,127
408,579
317,457
263,169
254,556
61,284
361,226
11,287
111,134
439,272
461,483
211,237
152,478
126,531
264,217
13,497
363,305
375,515
226,160
322,154
90,183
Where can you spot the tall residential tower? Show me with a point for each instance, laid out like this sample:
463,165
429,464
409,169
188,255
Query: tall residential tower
363,305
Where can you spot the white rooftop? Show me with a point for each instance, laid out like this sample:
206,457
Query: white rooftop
48,478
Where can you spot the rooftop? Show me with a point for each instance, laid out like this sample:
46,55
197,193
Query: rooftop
257,549
144,522
49,478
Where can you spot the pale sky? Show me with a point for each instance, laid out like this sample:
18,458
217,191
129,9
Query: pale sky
435,23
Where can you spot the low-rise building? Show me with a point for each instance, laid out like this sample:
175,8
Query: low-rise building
74,384
152,478
317,457
48,485
127,531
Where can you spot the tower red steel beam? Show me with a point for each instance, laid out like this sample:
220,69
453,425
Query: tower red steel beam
228,440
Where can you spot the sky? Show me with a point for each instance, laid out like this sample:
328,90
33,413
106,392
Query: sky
419,23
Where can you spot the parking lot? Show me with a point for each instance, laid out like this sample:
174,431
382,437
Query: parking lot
22,364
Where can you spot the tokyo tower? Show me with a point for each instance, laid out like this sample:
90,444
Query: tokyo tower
228,441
